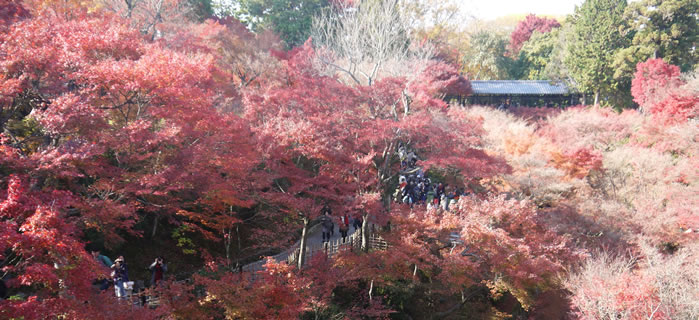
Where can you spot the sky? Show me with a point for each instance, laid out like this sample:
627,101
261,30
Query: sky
491,9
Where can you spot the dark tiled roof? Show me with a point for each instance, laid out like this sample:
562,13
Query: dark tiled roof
538,87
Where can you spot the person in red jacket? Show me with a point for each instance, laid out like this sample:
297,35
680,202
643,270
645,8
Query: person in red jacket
344,226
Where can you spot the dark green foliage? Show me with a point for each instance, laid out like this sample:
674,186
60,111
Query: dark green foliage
664,29
202,9
592,42
290,19
535,55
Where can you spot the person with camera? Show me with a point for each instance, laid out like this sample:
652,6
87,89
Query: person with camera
157,269
120,275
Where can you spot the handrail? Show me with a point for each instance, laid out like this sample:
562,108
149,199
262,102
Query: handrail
257,265
330,248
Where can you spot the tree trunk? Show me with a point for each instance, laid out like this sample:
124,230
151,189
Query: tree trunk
155,226
237,233
302,246
227,242
406,103
584,99
365,233
596,97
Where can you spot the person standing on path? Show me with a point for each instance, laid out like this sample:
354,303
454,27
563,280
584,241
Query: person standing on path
344,226
357,223
120,275
157,270
327,224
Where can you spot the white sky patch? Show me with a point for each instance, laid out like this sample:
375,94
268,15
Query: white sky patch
491,9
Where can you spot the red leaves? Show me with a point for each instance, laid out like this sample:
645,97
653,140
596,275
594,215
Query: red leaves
526,27
658,89
440,78
503,241
13,206
653,77
509,236
48,258
677,107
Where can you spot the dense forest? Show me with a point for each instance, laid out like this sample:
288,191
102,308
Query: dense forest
180,159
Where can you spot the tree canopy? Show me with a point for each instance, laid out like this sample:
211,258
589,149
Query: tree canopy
289,19
594,39
140,129
664,29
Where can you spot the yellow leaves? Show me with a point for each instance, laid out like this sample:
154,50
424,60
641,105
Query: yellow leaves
500,286
67,8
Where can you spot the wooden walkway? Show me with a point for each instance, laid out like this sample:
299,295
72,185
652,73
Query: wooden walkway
151,299
317,246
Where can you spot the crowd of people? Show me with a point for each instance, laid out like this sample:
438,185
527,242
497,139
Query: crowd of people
327,223
416,188
119,276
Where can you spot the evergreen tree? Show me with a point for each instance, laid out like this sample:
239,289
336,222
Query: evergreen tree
534,55
290,19
664,29
593,41
486,58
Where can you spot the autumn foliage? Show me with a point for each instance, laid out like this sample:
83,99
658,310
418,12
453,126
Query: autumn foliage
659,90
135,127
525,28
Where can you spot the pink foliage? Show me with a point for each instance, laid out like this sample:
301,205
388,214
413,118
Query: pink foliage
534,114
652,285
11,11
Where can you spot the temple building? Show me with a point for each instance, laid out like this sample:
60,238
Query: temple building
529,93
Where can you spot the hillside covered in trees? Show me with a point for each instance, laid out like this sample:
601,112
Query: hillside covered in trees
180,159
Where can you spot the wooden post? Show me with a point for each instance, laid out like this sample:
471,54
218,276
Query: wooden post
302,247
365,232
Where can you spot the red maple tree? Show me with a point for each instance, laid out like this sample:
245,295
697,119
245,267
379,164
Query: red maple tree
525,28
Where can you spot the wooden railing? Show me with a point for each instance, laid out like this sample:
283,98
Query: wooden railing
282,256
330,249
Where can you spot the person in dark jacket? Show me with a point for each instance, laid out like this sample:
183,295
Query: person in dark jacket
120,275
357,221
327,224
157,271
326,211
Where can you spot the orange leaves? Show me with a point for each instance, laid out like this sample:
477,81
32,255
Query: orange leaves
518,143
578,163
